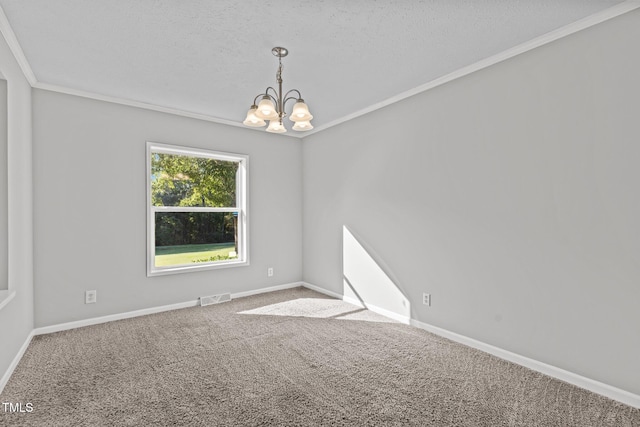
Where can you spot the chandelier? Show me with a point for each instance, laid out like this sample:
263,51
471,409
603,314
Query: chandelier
271,106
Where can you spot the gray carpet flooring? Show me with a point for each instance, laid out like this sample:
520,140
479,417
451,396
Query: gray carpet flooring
286,358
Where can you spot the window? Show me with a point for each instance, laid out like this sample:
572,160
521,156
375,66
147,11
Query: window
197,217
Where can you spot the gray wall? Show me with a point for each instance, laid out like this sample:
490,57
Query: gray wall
16,318
511,195
90,208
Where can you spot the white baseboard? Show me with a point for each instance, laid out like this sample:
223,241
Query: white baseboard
390,314
14,363
552,371
112,317
152,310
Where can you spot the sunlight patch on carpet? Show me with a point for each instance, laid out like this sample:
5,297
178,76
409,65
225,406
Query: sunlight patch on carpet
366,316
318,308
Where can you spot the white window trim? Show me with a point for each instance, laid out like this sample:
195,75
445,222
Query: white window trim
242,201
6,293
6,296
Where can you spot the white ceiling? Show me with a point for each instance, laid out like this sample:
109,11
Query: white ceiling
213,57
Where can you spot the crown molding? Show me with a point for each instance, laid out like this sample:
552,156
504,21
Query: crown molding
123,101
14,46
589,21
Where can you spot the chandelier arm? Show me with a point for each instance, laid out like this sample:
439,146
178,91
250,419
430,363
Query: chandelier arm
286,95
275,92
273,98
289,98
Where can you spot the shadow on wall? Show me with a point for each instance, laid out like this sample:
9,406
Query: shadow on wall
366,284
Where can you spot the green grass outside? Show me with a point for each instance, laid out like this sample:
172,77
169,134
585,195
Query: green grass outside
188,254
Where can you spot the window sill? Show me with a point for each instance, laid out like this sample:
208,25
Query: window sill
5,297
190,268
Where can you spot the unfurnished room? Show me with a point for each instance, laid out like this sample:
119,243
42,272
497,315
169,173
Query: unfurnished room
320,213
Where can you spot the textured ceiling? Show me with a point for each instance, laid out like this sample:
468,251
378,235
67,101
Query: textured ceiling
213,57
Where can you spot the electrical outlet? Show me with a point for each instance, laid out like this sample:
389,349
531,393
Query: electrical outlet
270,271
426,299
90,297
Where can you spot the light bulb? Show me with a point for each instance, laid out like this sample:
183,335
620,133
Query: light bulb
302,126
266,110
252,120
276,126
300,112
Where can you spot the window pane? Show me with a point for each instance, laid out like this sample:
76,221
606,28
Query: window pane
195,237
178,180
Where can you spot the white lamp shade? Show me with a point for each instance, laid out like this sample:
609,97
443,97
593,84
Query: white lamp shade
252,120
302,126
300,113
276,126
266,110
